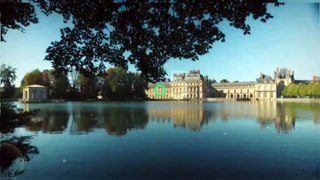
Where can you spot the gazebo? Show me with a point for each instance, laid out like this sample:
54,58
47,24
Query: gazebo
35,93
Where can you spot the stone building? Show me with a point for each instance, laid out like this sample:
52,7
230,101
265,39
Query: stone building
316,78
284,76
34,93
240,90
265,87
192,85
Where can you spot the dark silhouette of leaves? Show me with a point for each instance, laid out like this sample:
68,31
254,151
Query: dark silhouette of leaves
146,34
16,15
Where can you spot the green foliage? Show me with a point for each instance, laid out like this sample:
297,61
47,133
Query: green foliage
302,90
146,34
12,117
7,78
16,15
118,84
7,75
59,84
34,77
224,81
88,86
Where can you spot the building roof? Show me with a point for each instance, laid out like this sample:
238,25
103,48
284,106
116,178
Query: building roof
36,85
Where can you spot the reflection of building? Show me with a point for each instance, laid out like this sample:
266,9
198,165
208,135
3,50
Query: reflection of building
190,85
264,88
193,115
34,93
188,115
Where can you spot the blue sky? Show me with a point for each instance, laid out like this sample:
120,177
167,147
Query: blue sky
291,39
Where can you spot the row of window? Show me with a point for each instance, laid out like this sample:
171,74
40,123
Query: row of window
188,96
264,94
266,88
259,95
234,85
177,90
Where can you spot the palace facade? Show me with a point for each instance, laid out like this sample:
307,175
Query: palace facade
193,85
265,87
241,90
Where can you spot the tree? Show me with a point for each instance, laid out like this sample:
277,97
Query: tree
7,78
314,89
116,84
293,90
34,77
224,81
146,34
59,84
16,15
88,86
302,90
138,86
210,81
120,84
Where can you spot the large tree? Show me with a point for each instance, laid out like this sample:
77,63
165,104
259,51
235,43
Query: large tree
88,86
7,78
146,34
120,84
35,77
224,81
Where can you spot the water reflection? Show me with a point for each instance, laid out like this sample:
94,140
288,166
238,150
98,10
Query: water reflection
115,121
14,151
83,121
49,121
119,122
14,148
120,118
191,115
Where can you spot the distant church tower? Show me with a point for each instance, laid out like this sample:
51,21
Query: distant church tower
284,75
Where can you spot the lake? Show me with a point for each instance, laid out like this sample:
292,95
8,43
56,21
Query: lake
172,140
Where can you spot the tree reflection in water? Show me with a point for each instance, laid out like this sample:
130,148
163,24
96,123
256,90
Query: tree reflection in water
119,118
119,122
83,121
50,121
14,150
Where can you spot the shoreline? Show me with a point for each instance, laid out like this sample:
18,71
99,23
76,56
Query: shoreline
298,100
280,100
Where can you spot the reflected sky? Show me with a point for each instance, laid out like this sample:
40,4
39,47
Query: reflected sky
177,140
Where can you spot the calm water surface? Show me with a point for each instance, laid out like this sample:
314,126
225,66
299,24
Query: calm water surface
173,140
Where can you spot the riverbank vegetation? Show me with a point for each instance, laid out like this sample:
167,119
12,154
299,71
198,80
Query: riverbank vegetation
311,90
114,84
